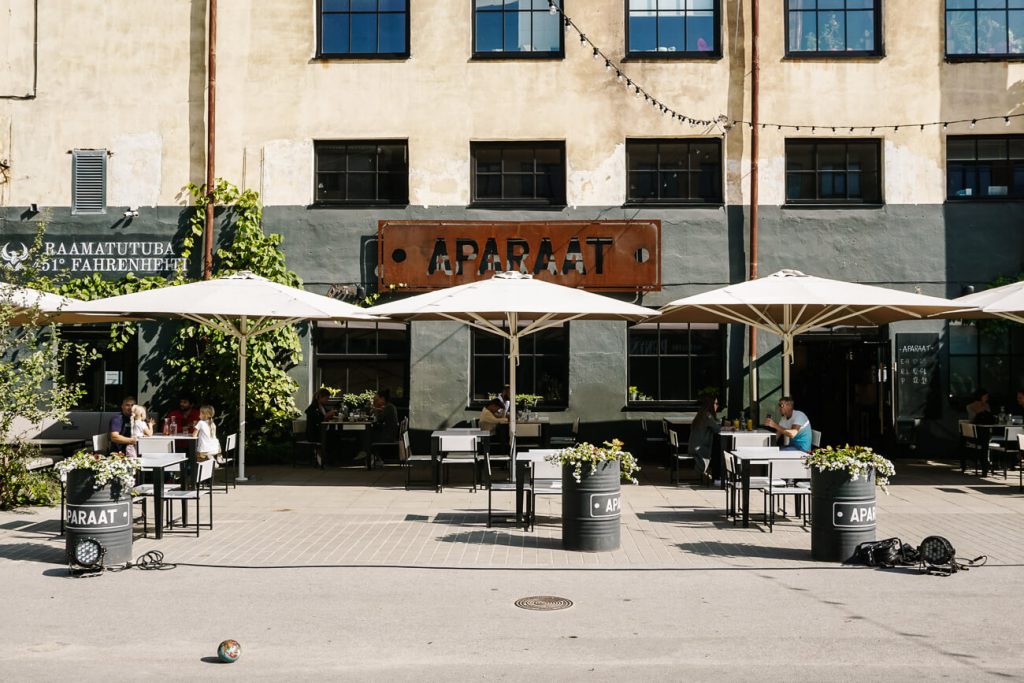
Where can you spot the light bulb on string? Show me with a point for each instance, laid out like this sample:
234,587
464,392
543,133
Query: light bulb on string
974,122
551,7
583,39
945,126
607,65
565,21
597,53
1006,120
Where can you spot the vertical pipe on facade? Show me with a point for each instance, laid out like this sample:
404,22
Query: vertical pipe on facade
211,138
754,128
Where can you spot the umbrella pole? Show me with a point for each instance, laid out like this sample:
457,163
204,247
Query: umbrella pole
513,359
787,360
243,360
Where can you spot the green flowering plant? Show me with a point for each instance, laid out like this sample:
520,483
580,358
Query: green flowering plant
358,401
585,452
857,461
118,467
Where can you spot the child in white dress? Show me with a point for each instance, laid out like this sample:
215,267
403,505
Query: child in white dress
208,446
140,427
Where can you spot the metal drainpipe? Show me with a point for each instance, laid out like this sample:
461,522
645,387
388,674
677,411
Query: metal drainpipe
211,138
754,128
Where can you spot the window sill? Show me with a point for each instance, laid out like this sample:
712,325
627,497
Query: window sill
660,406
517,56
356,205
823,205
477,406
672,56
673,205
512,206
954,59
374,56
834,56
984,200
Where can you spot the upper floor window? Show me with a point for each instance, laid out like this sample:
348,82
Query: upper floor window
985,167
363,28
674,362
833,28
88,181
518,173
673,28
362,172
984,28
674,171
516,28
833,172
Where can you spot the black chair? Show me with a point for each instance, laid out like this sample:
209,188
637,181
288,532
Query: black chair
303,448
679,454
226,462
410,460
203,485
654,439
494,485
566,441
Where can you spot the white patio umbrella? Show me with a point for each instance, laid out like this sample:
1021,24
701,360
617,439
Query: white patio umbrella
42,308
511,298
788,303
999,302
242,305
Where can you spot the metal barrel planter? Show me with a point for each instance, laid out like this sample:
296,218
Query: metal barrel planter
591,515
842,513
103,514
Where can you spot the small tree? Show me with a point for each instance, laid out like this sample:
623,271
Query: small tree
33,386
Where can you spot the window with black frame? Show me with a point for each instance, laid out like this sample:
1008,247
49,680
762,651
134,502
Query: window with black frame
984,29
674,171
543,365
833,171
673,362
985,167
516,29
110,377
833,28
518,173
352,29
362,172
989,355
355,357
669,29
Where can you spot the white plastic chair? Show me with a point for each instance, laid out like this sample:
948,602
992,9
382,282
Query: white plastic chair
781,474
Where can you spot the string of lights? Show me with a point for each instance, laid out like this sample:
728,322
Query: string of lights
723,122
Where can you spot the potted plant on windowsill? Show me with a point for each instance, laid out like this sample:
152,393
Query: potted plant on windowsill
99,502
843,512
591,493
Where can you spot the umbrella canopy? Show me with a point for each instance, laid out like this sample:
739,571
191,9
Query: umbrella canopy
42,308
999,302
242,305
788,303
499,304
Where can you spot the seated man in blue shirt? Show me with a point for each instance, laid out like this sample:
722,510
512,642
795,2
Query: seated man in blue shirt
794,426
121,427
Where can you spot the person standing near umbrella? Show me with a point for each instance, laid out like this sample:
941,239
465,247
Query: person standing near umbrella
794,425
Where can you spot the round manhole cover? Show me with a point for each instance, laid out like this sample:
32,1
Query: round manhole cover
544,603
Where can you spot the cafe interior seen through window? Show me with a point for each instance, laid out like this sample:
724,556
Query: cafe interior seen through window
356,356
518,173
833,171
985,167
979,29
674,171
362,172
674,361
543,365
109,378
990,355
833,28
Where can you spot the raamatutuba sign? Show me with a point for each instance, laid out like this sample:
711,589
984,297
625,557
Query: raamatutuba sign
154,257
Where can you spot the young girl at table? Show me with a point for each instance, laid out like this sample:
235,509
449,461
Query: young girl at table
140,427
208,446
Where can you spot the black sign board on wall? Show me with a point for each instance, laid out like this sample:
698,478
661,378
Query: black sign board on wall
917,376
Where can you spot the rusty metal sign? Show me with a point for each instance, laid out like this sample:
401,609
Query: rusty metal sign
594,255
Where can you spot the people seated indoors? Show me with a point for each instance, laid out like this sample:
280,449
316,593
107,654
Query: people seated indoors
185,415
978,410
490,416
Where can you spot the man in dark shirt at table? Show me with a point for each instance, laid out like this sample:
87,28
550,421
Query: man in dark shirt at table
121,426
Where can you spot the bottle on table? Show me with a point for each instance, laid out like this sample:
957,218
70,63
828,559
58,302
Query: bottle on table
167,426
174,425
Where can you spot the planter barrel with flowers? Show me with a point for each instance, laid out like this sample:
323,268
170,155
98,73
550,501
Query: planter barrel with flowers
99,503
591,494
843,511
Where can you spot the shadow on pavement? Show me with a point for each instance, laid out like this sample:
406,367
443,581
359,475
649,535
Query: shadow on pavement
493,537
32,552
717,549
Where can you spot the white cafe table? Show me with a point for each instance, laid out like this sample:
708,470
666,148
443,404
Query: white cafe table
745,457
157,463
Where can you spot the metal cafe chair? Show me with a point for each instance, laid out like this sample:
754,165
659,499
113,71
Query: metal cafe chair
494,485
781,474
410,460
203,487
679,454
459,450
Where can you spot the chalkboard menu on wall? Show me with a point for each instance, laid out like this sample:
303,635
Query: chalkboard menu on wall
917,376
